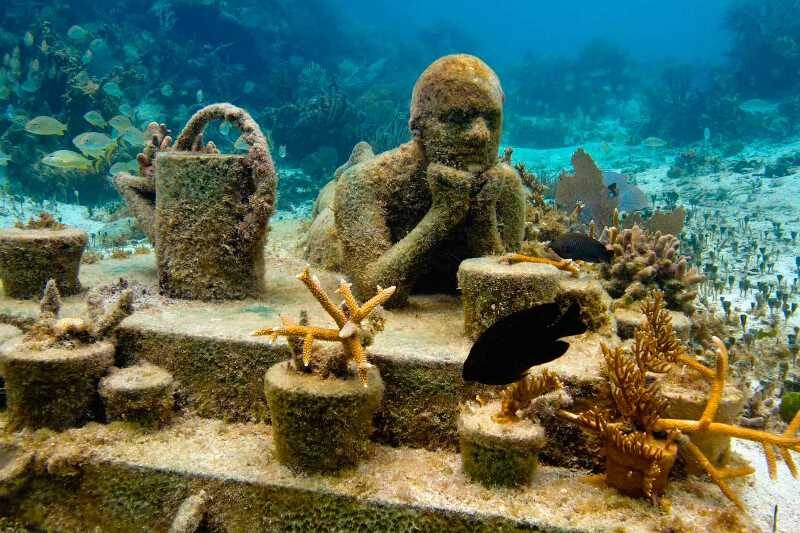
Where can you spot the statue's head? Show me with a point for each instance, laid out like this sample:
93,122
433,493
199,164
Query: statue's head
457,112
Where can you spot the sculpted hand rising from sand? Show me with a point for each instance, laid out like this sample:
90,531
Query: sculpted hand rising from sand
409,216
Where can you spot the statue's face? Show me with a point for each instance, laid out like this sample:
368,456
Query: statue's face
465,137
457,113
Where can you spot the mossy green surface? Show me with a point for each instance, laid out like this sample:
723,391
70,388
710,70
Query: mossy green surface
497,467
790,404
491,290
217,379
54,389
118,498
201,250
28,258
420,405
142,393
321,425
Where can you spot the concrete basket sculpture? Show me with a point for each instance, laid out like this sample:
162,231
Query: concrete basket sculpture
206,212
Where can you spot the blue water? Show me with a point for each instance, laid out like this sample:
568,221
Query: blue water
321,75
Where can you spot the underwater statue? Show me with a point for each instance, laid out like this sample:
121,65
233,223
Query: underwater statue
407,217
205,212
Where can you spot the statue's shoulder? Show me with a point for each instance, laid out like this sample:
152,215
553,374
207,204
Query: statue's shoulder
503,170
386,166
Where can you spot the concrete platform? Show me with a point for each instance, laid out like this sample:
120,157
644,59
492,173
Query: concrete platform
219,367
115,478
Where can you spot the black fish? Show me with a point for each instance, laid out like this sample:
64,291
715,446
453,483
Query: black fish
612,191
579,246
512,345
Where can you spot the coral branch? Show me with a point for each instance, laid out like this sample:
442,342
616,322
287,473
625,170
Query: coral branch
715,474
315,288
349,333
717,386
567,265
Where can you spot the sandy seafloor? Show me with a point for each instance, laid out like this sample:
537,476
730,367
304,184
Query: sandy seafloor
777,200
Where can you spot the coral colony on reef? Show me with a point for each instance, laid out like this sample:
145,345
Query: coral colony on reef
564,302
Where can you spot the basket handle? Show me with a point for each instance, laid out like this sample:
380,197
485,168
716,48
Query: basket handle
262,201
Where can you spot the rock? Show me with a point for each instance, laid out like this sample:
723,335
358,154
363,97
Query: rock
54,388
190,514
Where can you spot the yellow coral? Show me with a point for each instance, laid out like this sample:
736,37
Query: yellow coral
567,265
655,348
348,320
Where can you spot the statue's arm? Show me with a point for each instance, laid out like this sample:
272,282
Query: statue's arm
370,256
498,213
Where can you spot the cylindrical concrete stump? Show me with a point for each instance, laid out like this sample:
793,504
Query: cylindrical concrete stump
141,393
30,257
54,388
688,402
496,454
492,289
321,425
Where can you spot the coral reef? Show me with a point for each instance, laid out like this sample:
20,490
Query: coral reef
51,372
302,400
408,217
534,396
643,261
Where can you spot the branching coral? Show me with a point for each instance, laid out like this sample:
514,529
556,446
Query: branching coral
644,261
534,396
638,423
348,317
45,221
49,330
567,265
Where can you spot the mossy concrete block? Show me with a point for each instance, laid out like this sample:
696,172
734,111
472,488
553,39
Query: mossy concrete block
496,454
30,257
321,425
688,400
629,319
54,388
492,289
142,393
15,469
201,251
135,481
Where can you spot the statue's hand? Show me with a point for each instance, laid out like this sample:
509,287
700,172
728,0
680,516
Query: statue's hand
450,187
491,187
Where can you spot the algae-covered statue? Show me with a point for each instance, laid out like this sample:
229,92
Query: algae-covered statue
409,216
205,212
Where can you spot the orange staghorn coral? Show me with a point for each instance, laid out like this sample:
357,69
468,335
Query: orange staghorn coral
639,408
350,333
567,265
